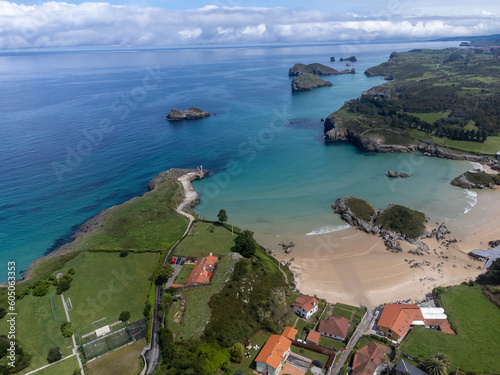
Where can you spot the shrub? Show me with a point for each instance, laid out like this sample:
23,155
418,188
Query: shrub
54,354
124,316
237,352
403,220
63,284
245,244
147,309
41,288
66,329
361,209
3,312
71,271
123,253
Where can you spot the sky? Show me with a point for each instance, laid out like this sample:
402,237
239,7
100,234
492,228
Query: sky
169,23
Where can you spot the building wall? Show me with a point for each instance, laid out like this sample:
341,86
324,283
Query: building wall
262,366
331,336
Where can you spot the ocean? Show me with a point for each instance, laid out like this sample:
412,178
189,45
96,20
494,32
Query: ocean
85,130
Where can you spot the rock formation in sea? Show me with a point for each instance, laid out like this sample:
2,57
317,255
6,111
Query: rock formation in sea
476,180
308,82
318,69
192,113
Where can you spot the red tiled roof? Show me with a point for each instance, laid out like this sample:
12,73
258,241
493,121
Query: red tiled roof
203,270
335,325
399,317
289,332
368,358
306,302
273,351
443,324
313,336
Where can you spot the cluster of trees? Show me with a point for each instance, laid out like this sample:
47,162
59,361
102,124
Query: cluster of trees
492,276
22,360
245,244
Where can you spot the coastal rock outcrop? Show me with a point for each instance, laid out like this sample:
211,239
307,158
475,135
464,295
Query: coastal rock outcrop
350,58
308,82
476,180
392,174
318,69
395,223
192,113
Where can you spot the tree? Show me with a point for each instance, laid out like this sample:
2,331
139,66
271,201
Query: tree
147,309
237,353
54,354
435,366
3,312
443,358
66,329
164,273
64,283
124,316
245,244
222,216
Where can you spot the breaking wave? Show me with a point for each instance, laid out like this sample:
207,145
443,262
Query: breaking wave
328,229
471,197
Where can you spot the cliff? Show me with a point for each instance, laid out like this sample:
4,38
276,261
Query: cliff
476,180
318,69
308,82
189,114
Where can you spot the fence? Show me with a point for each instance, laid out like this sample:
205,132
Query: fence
317,349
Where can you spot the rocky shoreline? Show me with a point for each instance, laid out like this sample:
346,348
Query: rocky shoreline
98,221
391,238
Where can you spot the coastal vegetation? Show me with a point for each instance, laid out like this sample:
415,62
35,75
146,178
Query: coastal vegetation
437,96
315,68
308,82
482,178
361,209
474,319
205,238
402,220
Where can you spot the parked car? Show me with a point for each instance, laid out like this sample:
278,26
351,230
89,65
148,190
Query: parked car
178,260
182,262
317,363
173,260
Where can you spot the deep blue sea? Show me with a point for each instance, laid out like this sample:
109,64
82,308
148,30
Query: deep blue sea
85,130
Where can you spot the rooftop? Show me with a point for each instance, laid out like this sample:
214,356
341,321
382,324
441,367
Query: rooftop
491,254
313,336
335,325
399,317
289,332
368,358
306,302
203,270
408,369
273,350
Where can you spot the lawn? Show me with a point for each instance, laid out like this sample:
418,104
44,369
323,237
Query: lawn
106,284
147,222
475,320
206,238
431,117
37,329
197,311
300,326
340,310
66,367
247,366
330,343
184,273
124,361
310,354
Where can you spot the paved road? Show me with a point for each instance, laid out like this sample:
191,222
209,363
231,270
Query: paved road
364,328
153,354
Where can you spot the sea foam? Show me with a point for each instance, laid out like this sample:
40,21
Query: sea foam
471,197
328,229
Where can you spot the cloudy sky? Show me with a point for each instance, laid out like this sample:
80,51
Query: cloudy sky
164,23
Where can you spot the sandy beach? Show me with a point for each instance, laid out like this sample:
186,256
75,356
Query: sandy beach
353,267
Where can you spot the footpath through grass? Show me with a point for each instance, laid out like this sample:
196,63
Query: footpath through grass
37,329
66,367
198,312
106,284
206,238
477,323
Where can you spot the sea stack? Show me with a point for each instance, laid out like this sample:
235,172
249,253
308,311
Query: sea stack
189,114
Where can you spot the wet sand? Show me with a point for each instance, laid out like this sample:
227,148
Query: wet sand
353,267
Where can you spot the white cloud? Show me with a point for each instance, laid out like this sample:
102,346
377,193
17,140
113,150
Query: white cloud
58,24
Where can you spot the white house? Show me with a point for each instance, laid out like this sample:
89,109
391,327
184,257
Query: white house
305,306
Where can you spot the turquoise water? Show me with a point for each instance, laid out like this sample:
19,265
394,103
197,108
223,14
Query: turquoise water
85,130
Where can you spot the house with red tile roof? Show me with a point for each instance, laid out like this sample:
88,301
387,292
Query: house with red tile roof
313,337
274,353
289,332
305,306
203,270
367,358
335,327
396,320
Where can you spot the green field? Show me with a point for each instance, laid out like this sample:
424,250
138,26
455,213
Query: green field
491,146
330,343
431,117
38,330
123,361
310,354
184,273
66,367
106,284
197,311
475,320
206,238
148,222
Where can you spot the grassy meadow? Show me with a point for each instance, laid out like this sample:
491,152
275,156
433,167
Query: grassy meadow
206,238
